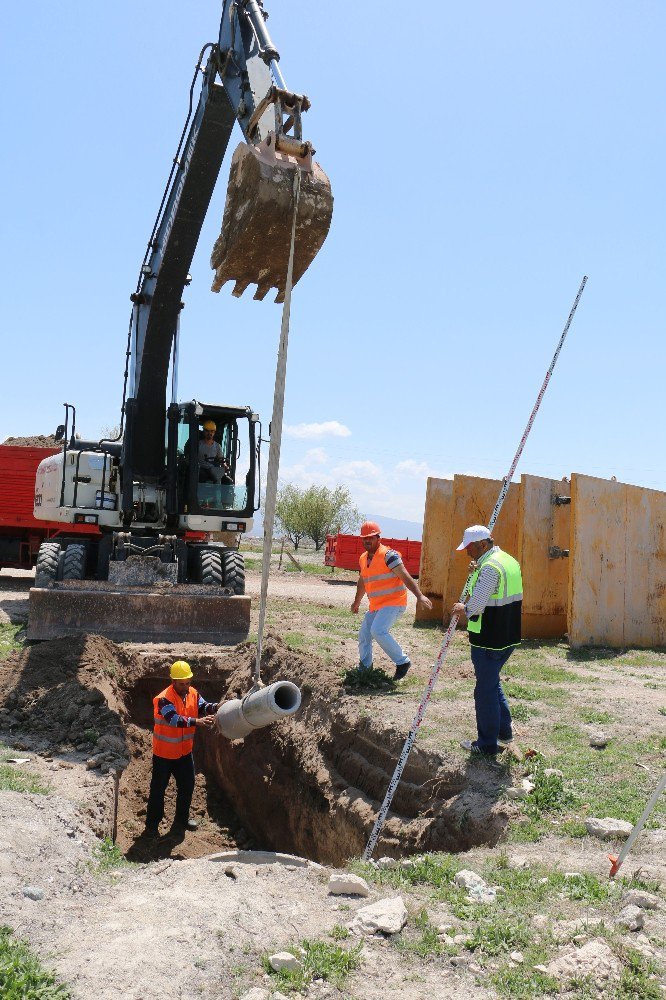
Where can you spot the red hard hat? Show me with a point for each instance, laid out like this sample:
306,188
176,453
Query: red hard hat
370,528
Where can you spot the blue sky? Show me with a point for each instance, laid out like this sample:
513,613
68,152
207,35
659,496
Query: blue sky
483,157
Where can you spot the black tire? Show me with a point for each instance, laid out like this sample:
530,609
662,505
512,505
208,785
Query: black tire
233,566
46,568
210,567
74,562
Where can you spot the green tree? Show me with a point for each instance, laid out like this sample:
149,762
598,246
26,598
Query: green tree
289,513
315,512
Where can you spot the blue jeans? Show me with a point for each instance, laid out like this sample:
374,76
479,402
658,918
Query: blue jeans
493,718
377,625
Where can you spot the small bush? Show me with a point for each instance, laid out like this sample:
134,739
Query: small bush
107,857
321,960
368,680
22,976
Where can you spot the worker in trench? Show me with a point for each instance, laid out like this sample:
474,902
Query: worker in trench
492,610
177,711
385,581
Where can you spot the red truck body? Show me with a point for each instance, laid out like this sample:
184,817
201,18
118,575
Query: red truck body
344,551
21,533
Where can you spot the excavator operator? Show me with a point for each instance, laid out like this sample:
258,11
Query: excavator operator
212,466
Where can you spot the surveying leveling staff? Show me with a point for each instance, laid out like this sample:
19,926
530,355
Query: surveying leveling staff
384,579
177,711
493,612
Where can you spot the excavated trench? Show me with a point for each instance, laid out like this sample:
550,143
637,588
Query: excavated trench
310,785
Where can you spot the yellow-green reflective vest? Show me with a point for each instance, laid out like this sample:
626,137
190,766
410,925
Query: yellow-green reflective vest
498,626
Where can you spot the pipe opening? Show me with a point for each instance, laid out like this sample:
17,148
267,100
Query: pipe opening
286,697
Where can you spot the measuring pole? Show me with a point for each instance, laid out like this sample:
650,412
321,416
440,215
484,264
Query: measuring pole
423,704
616,863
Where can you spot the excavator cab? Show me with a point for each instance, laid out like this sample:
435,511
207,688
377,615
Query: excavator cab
217,462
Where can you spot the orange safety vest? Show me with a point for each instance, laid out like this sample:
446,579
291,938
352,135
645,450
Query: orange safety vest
173,742
383,587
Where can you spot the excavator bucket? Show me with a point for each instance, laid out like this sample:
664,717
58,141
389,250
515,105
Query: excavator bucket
182,613
253,247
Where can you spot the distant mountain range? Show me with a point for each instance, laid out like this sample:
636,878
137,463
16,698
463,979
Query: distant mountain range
392,527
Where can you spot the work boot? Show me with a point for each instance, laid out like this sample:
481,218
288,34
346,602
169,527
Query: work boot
361,667
151,832
476,751
178,827
401,670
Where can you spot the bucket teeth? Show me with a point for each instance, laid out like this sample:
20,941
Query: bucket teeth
240,287
253,246
261,292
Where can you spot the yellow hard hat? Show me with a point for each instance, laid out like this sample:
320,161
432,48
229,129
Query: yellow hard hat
209,425
180,671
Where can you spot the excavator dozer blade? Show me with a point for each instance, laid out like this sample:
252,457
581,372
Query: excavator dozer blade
253,247
185,613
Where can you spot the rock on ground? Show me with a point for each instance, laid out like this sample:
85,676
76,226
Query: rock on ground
387,915
469,880
638,897
284,960
631,917
595,959
345,884
608,828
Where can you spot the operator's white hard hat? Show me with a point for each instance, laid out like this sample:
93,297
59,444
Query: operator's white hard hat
476,533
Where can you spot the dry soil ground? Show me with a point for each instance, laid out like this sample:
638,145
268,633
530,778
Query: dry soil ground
180,922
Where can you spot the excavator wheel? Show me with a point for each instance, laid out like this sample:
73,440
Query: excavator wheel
74,562
253,247
210,567
46,568
233,566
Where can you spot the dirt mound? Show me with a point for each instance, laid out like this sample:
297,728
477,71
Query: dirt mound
36,441
65,694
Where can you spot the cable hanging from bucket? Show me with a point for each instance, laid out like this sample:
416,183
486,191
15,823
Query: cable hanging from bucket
423,704
276,437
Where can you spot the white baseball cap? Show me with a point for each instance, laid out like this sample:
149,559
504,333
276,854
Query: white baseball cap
477,533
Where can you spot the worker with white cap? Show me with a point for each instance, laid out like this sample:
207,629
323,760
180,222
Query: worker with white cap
493,610
385,580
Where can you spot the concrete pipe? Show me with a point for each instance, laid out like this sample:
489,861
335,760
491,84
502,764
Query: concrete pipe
237,718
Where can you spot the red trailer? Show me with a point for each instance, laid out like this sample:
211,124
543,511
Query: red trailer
344,551
21,533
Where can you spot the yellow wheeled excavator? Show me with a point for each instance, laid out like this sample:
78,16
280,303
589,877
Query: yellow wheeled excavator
159,490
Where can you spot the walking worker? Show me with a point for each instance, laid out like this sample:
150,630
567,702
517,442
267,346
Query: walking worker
493,611
385,581
177,711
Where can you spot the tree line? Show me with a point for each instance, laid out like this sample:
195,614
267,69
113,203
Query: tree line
314,513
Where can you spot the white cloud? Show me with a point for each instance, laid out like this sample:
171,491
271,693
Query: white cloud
411,468
329,428
360,470
391,491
